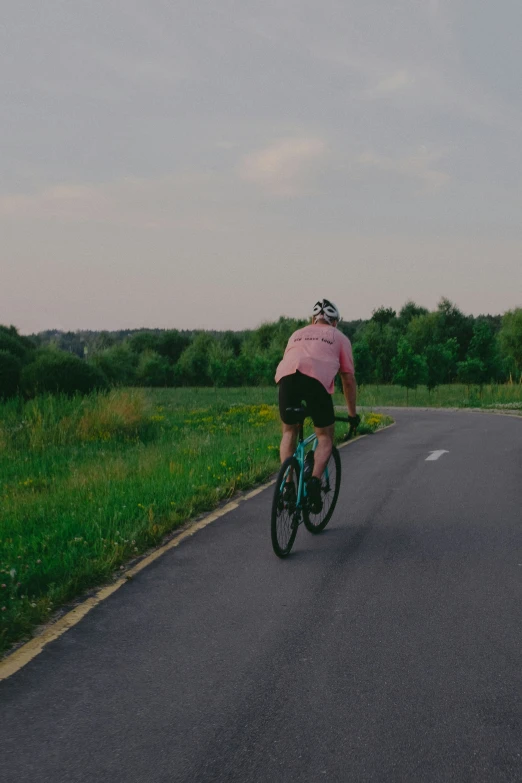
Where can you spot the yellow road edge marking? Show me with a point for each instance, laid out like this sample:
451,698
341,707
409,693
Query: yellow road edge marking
256,491
19,658
349,442
24,654
178,539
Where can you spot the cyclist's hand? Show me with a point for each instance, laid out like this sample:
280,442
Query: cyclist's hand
354,422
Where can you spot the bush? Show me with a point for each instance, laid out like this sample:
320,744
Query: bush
13,343
511,337
472,371
10,369
57,372
144,341
171,345
153,370
193,365
120,414
118,364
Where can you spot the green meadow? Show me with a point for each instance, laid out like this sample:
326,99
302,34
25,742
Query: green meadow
88,483
495,396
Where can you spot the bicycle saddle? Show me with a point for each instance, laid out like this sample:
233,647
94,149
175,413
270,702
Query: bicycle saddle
296,415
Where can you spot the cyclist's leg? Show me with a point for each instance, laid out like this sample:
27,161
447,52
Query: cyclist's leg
289,397
320,405
323,451
288,441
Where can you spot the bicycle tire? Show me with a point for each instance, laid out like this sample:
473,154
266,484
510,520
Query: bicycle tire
315,523
284,522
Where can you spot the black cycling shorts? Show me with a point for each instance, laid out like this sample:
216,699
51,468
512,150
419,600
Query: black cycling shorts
298,388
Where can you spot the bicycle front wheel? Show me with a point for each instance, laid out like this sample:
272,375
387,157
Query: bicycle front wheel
330,485
284,514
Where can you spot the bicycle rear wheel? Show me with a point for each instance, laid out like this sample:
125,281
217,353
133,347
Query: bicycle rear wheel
330,485
284,515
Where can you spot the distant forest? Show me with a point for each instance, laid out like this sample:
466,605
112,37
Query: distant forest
411,347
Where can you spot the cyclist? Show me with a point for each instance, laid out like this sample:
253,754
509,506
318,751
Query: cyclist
313,357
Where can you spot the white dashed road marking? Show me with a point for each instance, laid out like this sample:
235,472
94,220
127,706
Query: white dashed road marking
435,455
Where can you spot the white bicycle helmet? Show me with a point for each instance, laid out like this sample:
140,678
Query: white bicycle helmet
326,310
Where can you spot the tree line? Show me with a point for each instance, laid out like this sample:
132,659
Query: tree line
412,347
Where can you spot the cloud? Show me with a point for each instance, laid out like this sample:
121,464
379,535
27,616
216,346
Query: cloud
283,167
420,165
395,82
65,200
140,202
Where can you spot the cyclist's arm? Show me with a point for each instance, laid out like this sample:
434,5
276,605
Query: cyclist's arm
350,392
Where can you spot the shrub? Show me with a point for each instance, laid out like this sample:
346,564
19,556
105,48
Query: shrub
472,371
153,370
144,341
119,414
118,364
56,372
172,344
511,337
193,364
410,368
12,342
10,369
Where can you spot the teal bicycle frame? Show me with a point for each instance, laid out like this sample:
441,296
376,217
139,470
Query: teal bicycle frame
299,455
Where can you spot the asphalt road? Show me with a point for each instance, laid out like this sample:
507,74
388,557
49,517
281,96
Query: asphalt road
386,649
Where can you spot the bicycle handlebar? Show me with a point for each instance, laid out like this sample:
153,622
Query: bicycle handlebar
353,421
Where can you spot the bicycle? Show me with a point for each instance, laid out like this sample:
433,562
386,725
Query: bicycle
289,509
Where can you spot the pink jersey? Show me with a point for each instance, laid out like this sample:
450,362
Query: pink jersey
318,351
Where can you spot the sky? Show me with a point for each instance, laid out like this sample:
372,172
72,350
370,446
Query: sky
182,164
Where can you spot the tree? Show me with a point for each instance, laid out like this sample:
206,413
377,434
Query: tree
422,331
410,368
232,341
10,370
510,337
451,322
350,328
222,366
263,336
409,311
363,361
441,363
152,370
171,344
472,371
484,347
382,344
244,369
57,372
145,341
193,365
14,343
118,364
383,315
103,340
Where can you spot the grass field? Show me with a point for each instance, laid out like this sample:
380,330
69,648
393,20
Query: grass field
88,483
508,396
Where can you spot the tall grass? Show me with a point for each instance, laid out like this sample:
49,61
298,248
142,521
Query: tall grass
88,483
